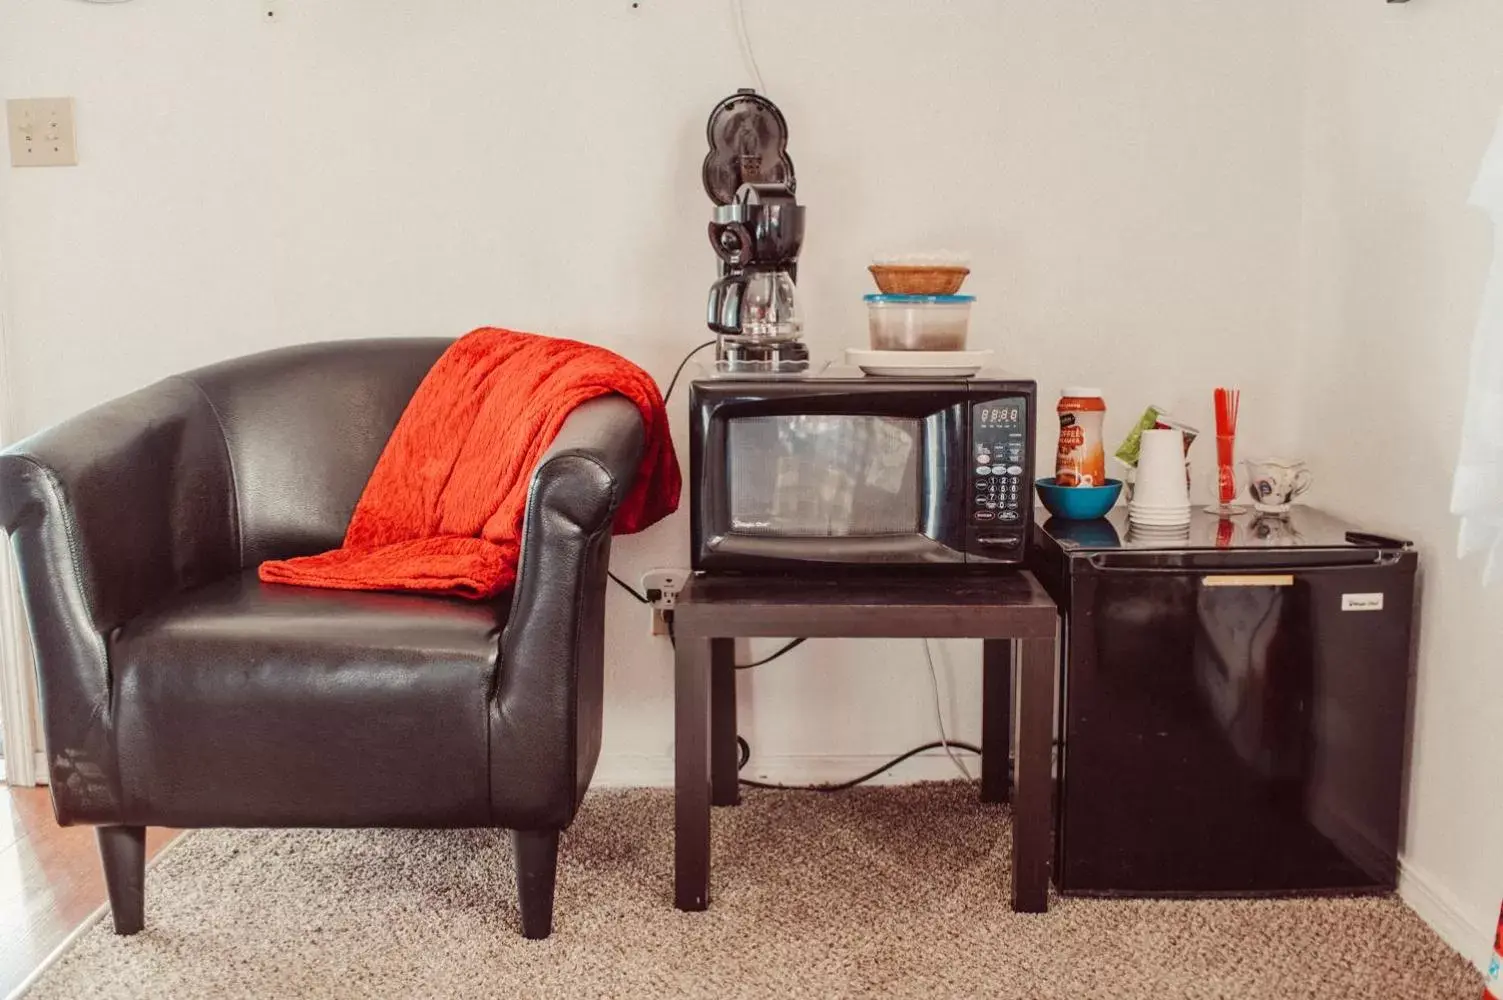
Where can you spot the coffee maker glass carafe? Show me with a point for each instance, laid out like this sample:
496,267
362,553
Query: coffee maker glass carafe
755,304
769,307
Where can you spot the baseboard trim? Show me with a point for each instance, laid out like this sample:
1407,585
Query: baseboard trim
1469,933
646,771
17,699
10,774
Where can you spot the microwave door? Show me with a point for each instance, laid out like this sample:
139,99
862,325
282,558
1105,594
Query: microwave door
833,488
831,475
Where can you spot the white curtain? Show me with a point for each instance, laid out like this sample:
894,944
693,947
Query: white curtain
1478,492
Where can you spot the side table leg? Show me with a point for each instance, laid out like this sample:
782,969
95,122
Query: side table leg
691,774
1033,799
996,718
725,783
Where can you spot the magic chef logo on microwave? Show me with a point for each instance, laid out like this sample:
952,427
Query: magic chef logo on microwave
1361,602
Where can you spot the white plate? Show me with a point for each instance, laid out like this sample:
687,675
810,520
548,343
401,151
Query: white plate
917,363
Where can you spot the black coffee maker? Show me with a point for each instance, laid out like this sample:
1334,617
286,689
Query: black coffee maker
757,232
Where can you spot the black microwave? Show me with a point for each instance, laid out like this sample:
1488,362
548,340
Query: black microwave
845,471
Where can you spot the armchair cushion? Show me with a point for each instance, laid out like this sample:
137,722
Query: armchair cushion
249,704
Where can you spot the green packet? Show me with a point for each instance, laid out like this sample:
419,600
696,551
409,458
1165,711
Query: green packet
1128,452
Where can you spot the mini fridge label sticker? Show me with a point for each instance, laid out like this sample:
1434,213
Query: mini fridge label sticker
1250,580
1361,602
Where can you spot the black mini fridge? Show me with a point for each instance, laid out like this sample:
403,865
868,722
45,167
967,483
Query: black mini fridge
1233,704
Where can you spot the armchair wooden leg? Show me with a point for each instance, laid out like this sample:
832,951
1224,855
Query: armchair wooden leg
123,851
537,869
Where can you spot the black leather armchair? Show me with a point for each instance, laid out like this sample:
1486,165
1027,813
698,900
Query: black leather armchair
178,690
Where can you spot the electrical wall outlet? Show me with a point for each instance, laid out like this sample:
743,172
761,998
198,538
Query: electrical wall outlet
41,132
661,587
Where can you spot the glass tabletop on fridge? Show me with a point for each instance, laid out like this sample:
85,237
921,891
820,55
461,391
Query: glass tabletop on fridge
1301,528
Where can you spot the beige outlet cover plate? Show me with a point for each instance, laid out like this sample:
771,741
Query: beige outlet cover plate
41,132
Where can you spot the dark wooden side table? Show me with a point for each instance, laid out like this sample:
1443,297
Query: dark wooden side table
1010,613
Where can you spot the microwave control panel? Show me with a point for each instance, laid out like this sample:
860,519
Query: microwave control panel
999,487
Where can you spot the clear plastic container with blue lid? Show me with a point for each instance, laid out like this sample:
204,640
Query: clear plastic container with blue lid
919,322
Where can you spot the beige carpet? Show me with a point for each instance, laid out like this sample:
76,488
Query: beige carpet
898,892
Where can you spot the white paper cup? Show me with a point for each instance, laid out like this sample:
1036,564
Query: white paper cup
1160,481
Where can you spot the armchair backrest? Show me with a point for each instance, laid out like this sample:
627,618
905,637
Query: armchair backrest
303,427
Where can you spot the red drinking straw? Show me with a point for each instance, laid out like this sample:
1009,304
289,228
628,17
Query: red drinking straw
1227,403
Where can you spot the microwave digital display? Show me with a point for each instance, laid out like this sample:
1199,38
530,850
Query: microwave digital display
1007,417
999,442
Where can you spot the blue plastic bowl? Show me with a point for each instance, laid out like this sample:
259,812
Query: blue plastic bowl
1078,503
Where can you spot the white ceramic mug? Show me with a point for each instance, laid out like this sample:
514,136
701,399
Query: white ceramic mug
1274,483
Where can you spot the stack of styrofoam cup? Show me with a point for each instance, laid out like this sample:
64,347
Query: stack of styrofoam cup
1161,493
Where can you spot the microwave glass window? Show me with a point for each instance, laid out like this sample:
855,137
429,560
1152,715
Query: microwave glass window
836,475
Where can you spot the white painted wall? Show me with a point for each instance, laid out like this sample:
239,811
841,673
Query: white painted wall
1401,103
1124,176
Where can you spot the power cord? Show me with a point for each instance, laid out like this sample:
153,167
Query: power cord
939,716
949,745
738,9
788,648
845,785
640,597
636,594
680,369
796,643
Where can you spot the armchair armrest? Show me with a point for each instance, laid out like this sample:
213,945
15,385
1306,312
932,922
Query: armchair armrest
547,708
108,513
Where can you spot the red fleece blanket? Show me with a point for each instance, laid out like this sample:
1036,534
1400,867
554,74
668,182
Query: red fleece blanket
442,512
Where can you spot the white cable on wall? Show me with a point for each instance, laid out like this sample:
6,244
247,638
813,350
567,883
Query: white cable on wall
939,716
738,9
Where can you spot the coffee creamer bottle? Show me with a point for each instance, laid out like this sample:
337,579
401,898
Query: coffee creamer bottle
1082,455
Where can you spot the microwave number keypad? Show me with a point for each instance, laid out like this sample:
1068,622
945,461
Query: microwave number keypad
998,430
